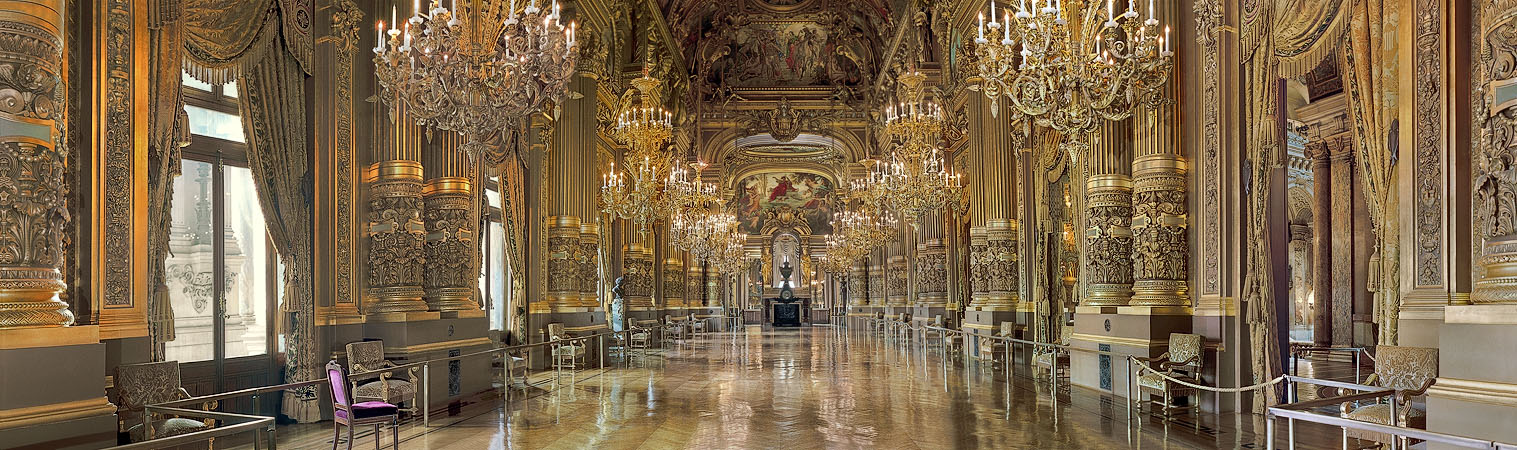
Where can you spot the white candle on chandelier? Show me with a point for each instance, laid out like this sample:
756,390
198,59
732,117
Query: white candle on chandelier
379,32
982,26
1151,9
1007,38
1110,11
1166,38
992,12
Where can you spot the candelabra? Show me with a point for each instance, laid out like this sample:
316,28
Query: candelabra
474,70
639,194
916,179
1065,67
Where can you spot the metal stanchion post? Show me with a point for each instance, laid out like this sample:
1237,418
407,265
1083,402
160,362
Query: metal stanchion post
600,342
1356,365
1269,432
1130,399
273,438
1290,433
505,374
426,395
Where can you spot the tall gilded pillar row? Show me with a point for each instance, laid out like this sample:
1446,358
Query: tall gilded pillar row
451,278
397,237
1109,207
993,211
1160,236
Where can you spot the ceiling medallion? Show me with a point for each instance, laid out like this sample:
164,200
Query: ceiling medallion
1065,67
475,70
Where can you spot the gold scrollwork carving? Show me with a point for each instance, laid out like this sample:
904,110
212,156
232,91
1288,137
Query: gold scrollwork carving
1160,251
451,252
1109,241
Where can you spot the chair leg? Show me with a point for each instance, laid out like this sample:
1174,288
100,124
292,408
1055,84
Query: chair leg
376,436
395,432
350,437
336,434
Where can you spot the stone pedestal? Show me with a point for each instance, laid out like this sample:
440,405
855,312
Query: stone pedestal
58,404
1476,393
1141,331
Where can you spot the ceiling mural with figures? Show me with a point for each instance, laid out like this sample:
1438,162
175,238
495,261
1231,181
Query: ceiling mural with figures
785,199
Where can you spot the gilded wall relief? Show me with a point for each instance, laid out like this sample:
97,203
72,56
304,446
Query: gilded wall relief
346,20
1208,21
120,58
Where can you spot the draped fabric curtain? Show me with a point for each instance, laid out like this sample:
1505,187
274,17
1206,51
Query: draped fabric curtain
1370,80
506,158
167,132
1261,159
264,46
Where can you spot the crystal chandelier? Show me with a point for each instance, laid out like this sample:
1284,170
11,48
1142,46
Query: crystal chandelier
915,180
731,257
477,69
698,221
857,230
639,193
1064,66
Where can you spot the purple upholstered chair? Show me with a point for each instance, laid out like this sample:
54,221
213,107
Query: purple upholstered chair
349,414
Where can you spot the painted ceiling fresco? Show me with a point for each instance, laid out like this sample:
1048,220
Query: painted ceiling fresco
791,197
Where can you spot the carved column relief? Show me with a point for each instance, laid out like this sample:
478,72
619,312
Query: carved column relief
564,261
588,275
674,283
858,285
31,164
932,273
695,288
980,261
713,288
451,278
896,277
638,272
1108,210
1495,176
1208,26
1429,142
1002,269
877,286
396,235
1161,247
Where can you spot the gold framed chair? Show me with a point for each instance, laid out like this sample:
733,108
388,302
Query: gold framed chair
1408,370
1183,361
697,325
139,385
1049,360
991,348
567,354
936,322
367,356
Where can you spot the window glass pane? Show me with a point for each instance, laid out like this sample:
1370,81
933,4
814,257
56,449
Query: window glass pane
215,124
191,265
229,89
191,82
247,267
493,196
498,278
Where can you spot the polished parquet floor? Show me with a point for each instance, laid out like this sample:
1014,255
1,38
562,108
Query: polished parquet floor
807,388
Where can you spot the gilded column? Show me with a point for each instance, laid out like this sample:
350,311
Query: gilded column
395,232
993,208
1161,250
896,277
979,266
877,287
31,84
451,278
564,261
1108,263
931,262
858,285
674,283
695,288
1001,269
637,267
588,275
713,288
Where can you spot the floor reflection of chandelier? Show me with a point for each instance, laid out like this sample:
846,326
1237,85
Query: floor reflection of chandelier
915,179
638,194
1065,67
475,70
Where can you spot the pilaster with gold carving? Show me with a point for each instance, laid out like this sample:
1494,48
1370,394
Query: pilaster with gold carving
932,273
713,280
896,276
1159,233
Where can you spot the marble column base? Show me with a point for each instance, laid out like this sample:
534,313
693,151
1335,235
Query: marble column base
1128,330
59,404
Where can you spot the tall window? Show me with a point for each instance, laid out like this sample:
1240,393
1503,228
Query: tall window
495,273
220,265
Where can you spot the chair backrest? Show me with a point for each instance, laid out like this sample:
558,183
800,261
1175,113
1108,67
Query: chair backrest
1008,328
365,356
139,385
1066,334
668,318
555,331
937,320
339,382
1405,368
1185,348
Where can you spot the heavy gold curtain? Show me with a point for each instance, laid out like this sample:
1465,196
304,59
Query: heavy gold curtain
263,46
1370,81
